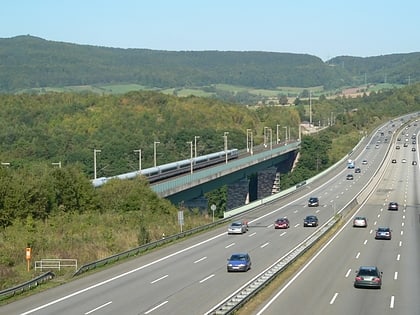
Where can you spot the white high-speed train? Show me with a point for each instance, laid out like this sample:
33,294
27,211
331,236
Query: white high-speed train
164,171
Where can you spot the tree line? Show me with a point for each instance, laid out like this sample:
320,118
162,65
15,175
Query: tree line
31,62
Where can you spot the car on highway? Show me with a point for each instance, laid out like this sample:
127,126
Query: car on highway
237,227
414,163
393,205
397,147
394,161
313,202
282,223
310,220
403,161
357,170
239,262
405,145
413,149
368,277
360,222
383,233
349,177
364,162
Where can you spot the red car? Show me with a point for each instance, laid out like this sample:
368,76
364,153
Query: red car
282,223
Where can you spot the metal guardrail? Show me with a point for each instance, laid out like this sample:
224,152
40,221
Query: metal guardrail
145,247
135,251
240,297
26,286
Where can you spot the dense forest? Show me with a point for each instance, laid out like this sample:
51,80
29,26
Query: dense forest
31,62
58,212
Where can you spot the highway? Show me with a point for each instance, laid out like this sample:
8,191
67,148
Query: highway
325,285
190,277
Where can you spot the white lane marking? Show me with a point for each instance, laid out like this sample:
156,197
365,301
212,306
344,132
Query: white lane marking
295,211
403,216
396,275
379,215
252,234
333,298
207,278
358,255
282,233
400,243
402,232
201,259
398,257
365,242
66,297
156,307
297,225
230,245
264,245
348,273
317,211
375,222
158,279
371,231
270,226
391,304
98,308
402,224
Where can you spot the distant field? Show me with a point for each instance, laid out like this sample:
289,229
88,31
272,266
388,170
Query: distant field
291,92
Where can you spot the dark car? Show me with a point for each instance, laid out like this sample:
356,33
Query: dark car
368,277
239,262
393,205
357,170
383,233
310,220
282,223
313,202
414,163
349,177
394,161
413,149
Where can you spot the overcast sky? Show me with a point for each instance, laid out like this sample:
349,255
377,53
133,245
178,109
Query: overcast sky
323,28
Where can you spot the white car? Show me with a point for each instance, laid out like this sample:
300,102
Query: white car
237,227
360,222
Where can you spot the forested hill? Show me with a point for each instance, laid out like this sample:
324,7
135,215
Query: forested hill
32,62
395,68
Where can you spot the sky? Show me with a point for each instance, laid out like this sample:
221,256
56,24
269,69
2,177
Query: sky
323,28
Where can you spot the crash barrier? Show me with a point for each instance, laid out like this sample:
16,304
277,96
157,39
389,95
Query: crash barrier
143,248
241,296
55,264
26,286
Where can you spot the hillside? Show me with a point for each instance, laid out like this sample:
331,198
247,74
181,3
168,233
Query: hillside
396,68
31,62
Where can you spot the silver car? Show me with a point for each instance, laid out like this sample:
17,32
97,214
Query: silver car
368,277
237,227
